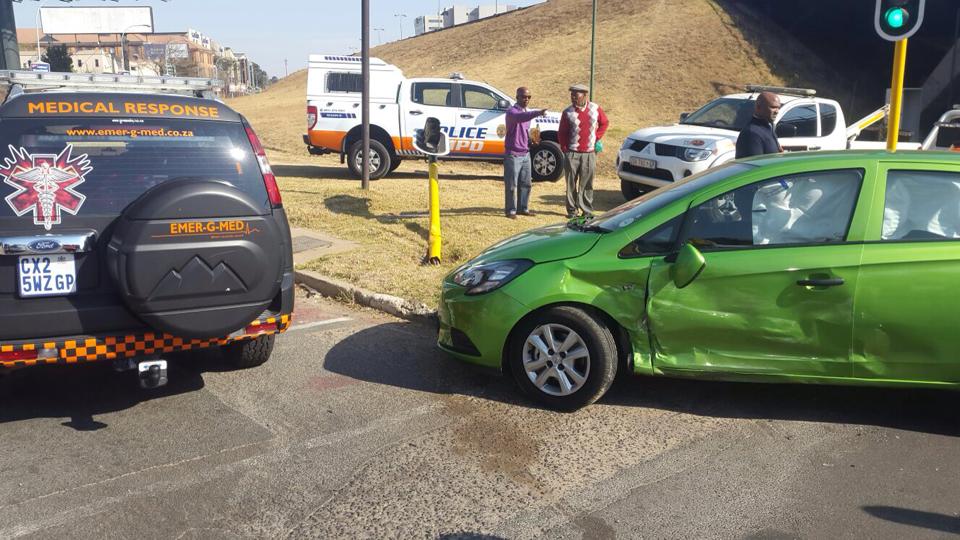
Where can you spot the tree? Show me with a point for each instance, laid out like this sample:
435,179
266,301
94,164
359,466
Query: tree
260,77
59,59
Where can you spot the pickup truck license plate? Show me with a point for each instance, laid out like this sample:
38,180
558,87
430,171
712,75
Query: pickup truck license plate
46,275
645,163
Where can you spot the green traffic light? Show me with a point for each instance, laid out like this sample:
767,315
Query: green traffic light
896,17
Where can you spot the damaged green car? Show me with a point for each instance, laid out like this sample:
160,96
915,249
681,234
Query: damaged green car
837,268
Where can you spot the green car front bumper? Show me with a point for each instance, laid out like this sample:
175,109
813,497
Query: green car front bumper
475,328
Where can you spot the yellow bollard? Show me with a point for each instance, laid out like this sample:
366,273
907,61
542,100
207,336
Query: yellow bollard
435,239
896,94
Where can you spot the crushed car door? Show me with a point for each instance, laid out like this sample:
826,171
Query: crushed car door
776,293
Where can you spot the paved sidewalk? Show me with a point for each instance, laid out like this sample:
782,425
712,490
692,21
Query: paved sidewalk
309,244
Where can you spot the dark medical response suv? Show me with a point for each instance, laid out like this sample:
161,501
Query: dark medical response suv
136,219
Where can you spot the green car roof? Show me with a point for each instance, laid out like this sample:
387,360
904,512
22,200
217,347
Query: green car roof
913,156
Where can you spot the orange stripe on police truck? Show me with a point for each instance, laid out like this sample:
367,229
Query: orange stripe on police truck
331,140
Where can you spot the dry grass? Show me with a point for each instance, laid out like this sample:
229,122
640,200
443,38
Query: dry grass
391,224
655,59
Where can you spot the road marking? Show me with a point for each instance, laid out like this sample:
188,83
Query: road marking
305,326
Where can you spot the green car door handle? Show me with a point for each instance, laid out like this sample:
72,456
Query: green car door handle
829,282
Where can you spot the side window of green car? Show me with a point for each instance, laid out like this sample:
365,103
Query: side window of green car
921,205
659,241
808,208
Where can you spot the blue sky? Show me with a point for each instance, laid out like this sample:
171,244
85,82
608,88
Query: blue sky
272,31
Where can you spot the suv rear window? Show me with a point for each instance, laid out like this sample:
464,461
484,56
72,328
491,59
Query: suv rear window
128,157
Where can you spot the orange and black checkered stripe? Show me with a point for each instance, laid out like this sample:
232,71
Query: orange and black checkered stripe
93,349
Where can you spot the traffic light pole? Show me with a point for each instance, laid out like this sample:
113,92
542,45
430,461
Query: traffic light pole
896,94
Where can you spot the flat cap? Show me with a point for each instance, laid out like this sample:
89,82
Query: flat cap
579,88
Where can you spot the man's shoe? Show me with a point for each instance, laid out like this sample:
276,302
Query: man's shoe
527,213
511,216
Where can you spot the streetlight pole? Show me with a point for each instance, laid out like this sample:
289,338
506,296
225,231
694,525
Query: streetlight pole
9,49
402,15
593,43
379,35
123,49
38,35
365,98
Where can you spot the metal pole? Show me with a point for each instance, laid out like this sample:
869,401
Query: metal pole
38,35
593,43
953,64
435,240
365,107
9,49
896,94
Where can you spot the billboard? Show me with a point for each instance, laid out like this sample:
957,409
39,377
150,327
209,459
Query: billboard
177,51
155,52
96,20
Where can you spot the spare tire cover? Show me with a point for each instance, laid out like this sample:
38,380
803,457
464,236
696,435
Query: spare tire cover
196,258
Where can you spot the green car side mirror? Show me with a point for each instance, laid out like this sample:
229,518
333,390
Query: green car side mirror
688,265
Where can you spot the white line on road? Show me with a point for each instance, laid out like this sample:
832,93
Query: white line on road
305,326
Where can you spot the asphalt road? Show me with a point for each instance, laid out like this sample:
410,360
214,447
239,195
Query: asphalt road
358,428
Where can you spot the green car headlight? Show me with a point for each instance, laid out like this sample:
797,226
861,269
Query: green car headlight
483,278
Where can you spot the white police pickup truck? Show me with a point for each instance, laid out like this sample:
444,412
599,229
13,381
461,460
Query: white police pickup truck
472,114
656,156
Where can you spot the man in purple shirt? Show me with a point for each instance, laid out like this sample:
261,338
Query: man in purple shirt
516,161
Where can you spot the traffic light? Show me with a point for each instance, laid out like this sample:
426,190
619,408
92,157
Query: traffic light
898,19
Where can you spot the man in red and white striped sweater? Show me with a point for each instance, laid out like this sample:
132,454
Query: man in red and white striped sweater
582,125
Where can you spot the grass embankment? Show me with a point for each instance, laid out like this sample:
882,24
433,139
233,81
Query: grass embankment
655,59
390,221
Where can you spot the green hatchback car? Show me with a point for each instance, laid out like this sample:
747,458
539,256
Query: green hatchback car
824,267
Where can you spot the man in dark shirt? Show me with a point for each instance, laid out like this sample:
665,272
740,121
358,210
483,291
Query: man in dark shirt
758,137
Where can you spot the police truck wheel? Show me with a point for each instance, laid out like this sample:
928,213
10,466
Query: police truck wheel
380,161
249,352
546,162
394,163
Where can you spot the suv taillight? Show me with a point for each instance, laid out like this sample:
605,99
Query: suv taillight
269,180
311,117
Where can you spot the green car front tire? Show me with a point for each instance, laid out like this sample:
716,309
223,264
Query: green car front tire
563,357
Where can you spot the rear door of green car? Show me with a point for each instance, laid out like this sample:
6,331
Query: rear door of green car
909,295
776,296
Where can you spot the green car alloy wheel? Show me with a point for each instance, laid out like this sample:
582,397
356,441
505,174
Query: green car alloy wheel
826,267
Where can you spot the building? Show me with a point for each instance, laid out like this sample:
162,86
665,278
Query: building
482,12
184,54
427,23
454,15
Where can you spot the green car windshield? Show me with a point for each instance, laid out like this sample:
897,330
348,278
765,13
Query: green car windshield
628,213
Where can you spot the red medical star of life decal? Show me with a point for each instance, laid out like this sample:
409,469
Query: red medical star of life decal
44,183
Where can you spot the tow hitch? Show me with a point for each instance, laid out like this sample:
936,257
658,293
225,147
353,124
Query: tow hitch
153,373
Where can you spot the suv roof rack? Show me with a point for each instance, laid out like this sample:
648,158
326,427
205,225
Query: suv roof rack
34,81
806,92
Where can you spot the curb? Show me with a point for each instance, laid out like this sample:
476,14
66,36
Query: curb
393,305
